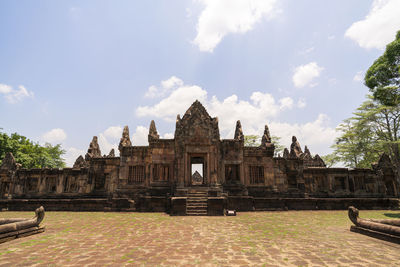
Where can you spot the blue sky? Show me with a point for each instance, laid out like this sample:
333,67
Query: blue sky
74,69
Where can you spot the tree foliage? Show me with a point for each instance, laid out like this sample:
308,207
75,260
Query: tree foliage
252,140
383,77
255,140
372,130
330,159
30,154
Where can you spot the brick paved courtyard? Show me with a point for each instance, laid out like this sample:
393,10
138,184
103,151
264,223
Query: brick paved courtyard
294,238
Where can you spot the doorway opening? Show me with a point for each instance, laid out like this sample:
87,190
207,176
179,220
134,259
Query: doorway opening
197,170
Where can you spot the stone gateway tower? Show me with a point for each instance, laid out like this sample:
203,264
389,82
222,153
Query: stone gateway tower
197,173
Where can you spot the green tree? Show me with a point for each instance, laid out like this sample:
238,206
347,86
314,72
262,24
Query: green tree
255,140
372,130
252,140
278,146
383,77
30,154
330,159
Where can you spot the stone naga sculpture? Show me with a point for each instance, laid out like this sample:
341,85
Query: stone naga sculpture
391,227
16,227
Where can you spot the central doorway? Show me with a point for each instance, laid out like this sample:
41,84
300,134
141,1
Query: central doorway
197,170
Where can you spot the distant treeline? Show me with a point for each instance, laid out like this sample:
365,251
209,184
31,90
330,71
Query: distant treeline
30,154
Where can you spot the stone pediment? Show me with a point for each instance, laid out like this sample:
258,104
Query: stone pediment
197,126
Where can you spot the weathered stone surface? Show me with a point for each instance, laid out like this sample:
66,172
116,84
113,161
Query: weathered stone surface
285,153
391,227
9,162
197,178
125,140
266,138
153,135
80,162
94,149
239,132
307,151
295,148
318,161
248,178
111,154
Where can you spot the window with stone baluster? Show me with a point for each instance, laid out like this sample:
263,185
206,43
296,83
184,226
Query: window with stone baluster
256,174
136,174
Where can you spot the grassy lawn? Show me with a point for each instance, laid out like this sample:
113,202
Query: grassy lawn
291,238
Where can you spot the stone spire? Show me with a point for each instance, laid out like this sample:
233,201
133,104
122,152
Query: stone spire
125,140
285,153
9,162
295,148
111,154
307,151
318,161
80,163
153,135
266,138
238,131
93,150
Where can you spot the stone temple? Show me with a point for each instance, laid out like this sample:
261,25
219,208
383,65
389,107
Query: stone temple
197,173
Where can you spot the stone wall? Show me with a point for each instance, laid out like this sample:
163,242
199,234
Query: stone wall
154,177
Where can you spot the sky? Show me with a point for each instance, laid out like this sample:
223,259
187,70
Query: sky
70,70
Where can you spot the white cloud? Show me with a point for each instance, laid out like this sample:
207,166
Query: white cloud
166,86
301,103
177,102
114,132
331,37
152,92
168,136
172,82
286,103
71,155
317,134
54,136
305,74
221,17
5,89
106,145
379,27
109,139
13,96
359,76
260,109
140,136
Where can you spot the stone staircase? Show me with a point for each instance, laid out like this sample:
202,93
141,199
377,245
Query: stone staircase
196,203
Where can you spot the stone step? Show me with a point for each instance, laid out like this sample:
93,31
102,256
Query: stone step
198,193
197,199
196,205
196,208
196,213
196,202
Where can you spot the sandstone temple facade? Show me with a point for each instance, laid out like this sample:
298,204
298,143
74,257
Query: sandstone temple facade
197,173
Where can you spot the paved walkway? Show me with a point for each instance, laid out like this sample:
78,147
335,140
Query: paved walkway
294,238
